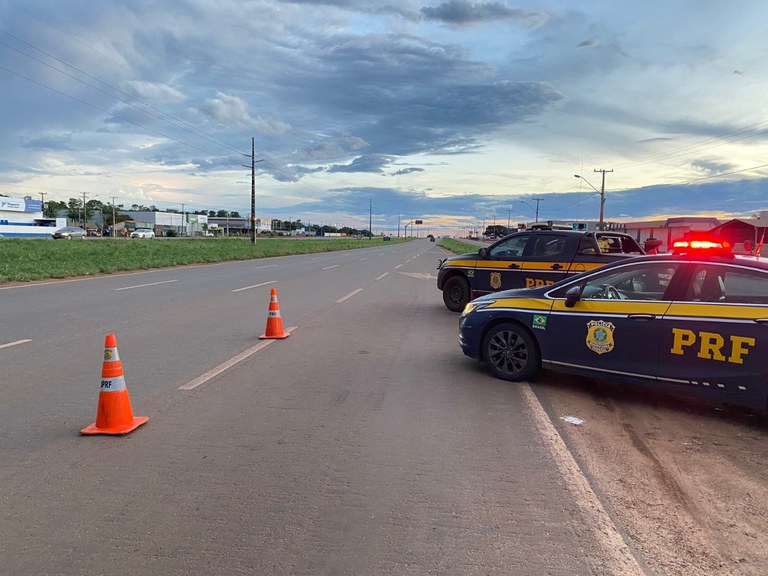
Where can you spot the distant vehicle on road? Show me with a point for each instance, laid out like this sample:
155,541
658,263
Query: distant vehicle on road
68,232
695,320
143,233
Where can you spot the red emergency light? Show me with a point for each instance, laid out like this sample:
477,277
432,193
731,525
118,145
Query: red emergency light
701,246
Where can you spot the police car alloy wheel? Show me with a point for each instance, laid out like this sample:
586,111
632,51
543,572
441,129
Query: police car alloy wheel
456,293
511,352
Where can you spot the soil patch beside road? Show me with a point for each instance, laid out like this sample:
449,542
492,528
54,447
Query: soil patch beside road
686,480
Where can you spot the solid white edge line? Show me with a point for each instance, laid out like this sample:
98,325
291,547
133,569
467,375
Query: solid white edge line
224,366
334,266
145,285
15,343
348,296
618,556
254,286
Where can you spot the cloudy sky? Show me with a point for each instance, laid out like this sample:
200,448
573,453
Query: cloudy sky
451,111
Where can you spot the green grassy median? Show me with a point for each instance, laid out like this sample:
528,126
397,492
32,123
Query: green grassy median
457,246
24,260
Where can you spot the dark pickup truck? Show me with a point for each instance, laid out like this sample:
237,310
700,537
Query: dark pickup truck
527,259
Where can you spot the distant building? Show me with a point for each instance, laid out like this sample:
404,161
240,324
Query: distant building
24,217
667,231
186,224
229,226
744,234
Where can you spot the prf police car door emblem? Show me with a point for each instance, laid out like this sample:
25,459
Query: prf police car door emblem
495,280
600,336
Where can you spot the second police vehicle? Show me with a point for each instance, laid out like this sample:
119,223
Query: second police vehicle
693,320
532,258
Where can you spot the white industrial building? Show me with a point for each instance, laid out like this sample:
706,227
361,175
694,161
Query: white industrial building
184,224
24,217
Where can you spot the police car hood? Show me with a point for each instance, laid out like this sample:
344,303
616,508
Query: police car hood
469,256
515,293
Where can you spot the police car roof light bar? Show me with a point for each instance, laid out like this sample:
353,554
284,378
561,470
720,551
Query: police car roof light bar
702,246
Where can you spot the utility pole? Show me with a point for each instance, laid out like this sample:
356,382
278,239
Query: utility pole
537,207
602,199
85,211
114,217
370,219
42,194
183,223
253,189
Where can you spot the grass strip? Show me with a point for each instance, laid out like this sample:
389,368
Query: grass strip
458,247
25,259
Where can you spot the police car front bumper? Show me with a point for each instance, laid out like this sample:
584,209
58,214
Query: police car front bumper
471,329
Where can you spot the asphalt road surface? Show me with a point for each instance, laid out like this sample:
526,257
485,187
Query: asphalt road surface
364,443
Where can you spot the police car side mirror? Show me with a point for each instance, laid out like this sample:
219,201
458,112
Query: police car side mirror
483,252
572,295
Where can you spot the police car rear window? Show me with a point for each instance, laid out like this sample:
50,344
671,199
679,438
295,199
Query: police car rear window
727,284
615,244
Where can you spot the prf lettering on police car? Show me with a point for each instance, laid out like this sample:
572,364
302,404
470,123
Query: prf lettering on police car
711,346
536,282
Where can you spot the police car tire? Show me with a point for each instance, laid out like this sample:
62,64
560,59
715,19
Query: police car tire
456,293
511,353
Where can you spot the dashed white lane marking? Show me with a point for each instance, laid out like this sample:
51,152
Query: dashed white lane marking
200,380
398,266
329,267
15,343
618,557
254,286
145,285
348,296
382,276
267,266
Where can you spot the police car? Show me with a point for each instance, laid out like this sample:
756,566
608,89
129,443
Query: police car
695,320
537,257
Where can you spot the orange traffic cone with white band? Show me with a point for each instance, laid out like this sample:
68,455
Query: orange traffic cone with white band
114,414
274,320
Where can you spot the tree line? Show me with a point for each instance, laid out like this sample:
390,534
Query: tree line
111,214
76,210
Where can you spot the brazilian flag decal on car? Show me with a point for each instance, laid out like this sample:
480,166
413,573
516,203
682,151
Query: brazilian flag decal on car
539,321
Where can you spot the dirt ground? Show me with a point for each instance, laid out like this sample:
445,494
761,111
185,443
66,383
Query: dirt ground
685,480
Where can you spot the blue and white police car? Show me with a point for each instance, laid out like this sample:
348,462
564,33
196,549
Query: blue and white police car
695,319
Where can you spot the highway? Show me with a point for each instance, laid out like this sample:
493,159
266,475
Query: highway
364,443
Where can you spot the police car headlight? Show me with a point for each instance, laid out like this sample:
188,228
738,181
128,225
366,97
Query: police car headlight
472,306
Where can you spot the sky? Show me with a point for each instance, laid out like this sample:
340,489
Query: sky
461,114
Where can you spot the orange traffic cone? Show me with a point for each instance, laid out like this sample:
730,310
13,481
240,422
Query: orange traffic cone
274,321
114,414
